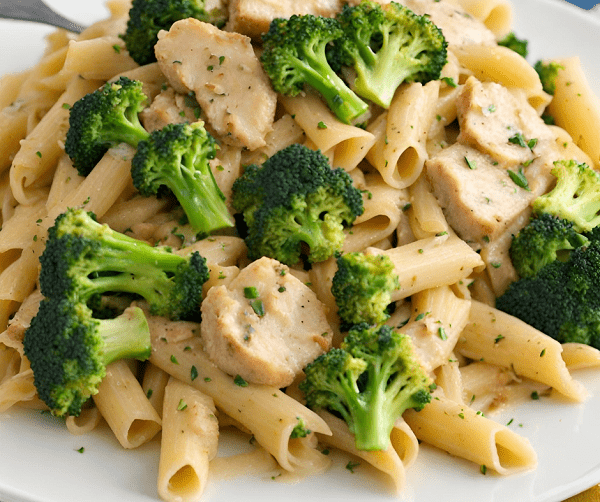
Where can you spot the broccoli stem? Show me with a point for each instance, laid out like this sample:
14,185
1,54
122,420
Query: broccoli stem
126,129
126,336
346,105
378,76
133,265
374,422
201,199
138,270
147,286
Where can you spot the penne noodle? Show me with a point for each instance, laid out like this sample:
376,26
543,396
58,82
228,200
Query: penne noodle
430,262
348,144
154,383
125,407
504,340
387,461
40,151
504,66
578,355
86,422
189,442
465,433
400,148
495,15
575,107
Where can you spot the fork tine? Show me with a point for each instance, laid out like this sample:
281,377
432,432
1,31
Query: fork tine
36,11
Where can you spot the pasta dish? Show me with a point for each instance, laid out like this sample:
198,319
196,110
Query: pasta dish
447,174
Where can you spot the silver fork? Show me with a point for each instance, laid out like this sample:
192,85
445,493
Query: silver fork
36,11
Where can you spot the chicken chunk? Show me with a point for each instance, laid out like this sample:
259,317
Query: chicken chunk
253,17
222,70
169,107
266,326
500,123
479,199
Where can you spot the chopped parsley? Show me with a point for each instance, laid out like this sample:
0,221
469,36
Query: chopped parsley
258,307
471,164
239,381
519,179
250,292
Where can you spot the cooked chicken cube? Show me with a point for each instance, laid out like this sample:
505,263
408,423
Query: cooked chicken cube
479,198
498,122
253,17
170,107
266,326
222,70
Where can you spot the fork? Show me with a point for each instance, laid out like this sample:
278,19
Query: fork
36,11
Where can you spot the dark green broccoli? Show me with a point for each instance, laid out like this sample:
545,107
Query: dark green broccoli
562,220
84,259
519,45
69,350
563,299
543,240
576,196
177,157
557,256
387,46
548,73
362,287
295,200
148,17
103,119
295,55
369,381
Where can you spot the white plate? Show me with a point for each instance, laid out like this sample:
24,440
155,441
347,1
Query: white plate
39,461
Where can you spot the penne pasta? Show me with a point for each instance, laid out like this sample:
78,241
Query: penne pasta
575,107
348,144
125,407
461,431
501,339
430,262
400,148
388,461
189,442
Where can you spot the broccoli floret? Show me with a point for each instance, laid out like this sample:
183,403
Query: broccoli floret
548,73
387,46
177,157
84,259
543,240
362,286
148,17
103,119
519,45
369,381
563,299
576,196
557,256
295,55
296,199
69,350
